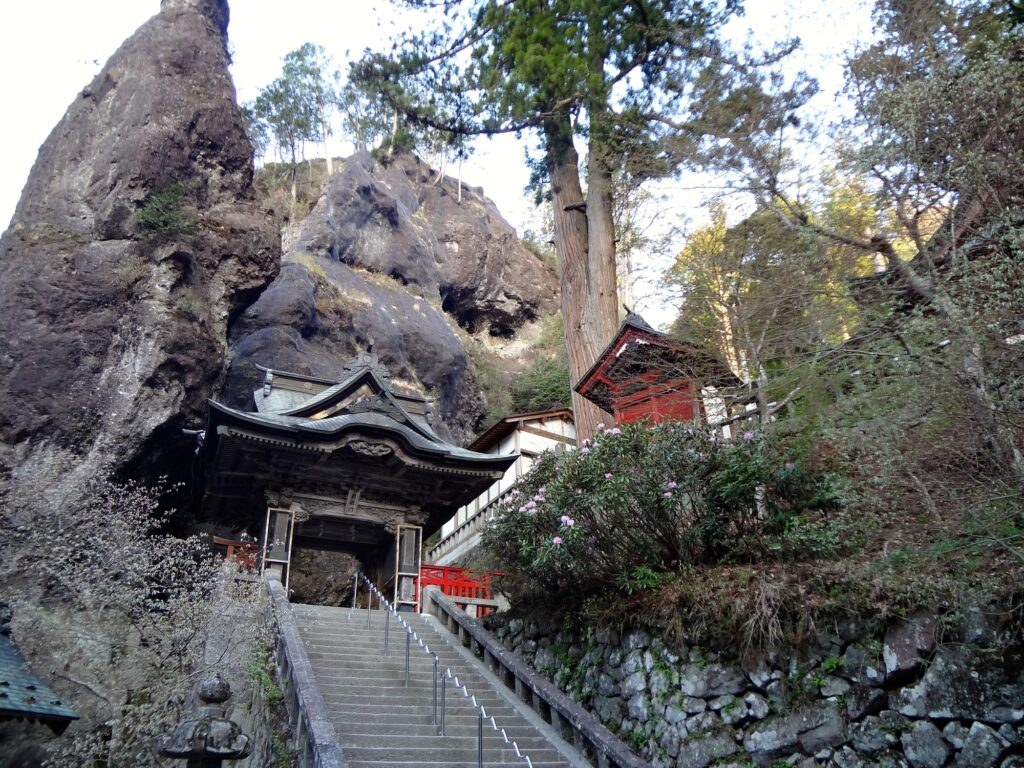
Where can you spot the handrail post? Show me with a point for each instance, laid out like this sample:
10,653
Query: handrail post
355,587
387,625
369,602
443,683
433,709
480,739
408,642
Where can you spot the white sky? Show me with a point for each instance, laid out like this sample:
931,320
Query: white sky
50,50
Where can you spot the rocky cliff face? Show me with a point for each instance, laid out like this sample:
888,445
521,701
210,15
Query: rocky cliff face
136,243
389,255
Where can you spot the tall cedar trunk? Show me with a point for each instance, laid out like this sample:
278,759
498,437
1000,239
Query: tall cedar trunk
571,241
604,299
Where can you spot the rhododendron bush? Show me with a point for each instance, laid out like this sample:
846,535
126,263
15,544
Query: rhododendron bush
638,503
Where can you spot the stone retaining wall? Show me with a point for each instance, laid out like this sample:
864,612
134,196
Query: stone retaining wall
849,700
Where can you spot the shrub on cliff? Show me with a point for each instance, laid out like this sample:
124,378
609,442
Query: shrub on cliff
163,216
639,503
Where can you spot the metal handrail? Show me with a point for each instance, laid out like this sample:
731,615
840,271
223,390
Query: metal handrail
410,635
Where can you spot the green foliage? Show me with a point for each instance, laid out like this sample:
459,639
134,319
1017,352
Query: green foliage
639,503
543,384
545,380
164,216
832,664
529,62
257,667
294,108
492,379
636,740
641,577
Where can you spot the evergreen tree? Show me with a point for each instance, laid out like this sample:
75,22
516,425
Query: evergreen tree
640,83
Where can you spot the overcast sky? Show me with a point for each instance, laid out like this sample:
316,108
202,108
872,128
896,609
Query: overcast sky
50,51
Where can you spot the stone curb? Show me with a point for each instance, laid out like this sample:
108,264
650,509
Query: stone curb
323,740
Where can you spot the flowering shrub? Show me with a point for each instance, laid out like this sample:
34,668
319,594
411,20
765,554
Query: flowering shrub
650,501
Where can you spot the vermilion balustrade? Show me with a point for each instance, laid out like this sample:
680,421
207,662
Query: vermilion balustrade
458,582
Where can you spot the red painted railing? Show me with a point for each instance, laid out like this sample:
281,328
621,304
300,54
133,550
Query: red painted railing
458,582
242,552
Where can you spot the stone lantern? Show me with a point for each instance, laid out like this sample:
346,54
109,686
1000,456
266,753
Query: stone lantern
209,738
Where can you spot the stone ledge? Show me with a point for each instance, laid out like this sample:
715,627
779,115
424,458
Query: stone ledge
323,740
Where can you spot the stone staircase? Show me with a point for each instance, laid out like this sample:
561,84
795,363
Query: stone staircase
381,723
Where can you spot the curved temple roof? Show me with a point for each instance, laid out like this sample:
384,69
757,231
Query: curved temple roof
356,437
327,431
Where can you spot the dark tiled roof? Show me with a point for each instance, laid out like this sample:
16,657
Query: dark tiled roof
334,425
23,694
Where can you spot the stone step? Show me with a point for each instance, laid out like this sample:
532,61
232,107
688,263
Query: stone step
415,696
417,715
417,656
374,645
375,658
336,701
448,764
492,742
454,726
348,705
366,658
389,685
358,629
423,665
439,754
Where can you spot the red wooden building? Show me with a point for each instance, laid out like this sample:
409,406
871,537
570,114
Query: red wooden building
644,373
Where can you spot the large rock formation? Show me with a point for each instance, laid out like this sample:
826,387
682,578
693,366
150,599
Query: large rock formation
389,254
136,243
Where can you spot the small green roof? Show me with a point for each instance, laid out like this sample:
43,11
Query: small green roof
24,695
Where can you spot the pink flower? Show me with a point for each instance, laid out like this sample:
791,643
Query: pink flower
531,505
615,431
584,449
591,539
556,540
579,491
667,494
790,465
567,521
600,427
748,436
671,484
608,475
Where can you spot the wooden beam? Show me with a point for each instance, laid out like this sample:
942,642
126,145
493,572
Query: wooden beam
549,435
